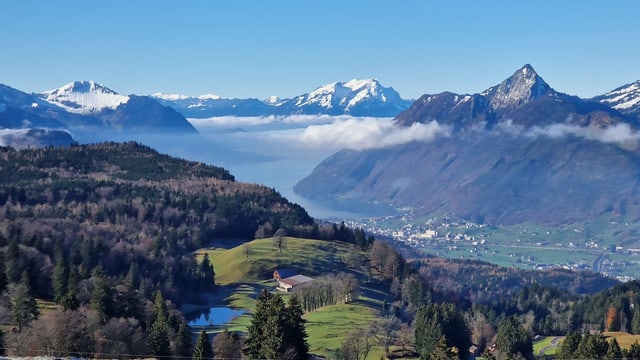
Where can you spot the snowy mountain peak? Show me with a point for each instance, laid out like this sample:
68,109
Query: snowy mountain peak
84,97
347,95
523,86
626,98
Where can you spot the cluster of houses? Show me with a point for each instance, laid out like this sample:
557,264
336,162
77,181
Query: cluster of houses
289,279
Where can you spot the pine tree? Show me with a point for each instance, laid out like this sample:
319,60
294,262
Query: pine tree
569,345
207,274
295,333
635,321
436,320
13,262
60,275
3,273
256,330
203,349
158,336
101,295
513,339
183,342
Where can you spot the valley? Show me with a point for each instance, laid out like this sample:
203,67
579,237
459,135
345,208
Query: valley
592,246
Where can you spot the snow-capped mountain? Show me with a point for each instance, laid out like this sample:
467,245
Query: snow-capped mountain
84,97
625,99
86,110
518,152
355,97
521,98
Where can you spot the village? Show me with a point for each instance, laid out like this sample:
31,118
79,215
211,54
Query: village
530,250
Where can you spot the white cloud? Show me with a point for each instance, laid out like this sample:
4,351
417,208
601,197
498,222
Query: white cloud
369,133
619,133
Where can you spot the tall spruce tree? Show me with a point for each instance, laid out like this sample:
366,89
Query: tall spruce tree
295,333
513,340
60,275
276,329
158,335
635,320
434,321
183,342
257,328
101,299
203,349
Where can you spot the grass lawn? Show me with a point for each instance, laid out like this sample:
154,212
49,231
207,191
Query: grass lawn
545,343
624,339
246,269
256,260
328,327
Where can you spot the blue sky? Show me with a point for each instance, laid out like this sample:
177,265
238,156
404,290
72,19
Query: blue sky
260,48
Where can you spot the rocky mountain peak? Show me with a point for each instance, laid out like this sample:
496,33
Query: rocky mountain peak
522,87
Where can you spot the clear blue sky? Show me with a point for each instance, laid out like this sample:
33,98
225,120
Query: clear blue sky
241,48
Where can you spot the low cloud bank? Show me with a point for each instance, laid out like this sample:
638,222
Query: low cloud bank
620,133
369,133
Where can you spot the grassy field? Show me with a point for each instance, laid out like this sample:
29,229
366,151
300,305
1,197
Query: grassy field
328,327
545,343
624,339
244,270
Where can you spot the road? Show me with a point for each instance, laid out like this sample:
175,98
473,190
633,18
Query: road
554,343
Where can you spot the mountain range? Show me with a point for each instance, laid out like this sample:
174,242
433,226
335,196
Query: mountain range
356,97
517,152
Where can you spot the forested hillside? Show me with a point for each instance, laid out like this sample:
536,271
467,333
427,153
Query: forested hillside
102,228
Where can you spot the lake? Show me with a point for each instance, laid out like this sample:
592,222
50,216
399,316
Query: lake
218,315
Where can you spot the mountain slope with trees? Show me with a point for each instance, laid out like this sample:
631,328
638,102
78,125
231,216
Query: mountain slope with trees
99,229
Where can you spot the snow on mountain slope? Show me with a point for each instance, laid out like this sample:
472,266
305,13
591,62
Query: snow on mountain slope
626,98
348,94
84,97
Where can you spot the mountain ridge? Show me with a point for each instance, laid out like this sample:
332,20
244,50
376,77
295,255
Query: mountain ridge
517,152
354,97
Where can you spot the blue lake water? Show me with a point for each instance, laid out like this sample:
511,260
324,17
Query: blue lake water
216,316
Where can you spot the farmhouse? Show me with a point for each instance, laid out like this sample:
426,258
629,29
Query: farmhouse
290,283
283,273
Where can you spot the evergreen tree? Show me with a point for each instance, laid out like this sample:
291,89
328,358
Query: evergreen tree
569,345
635,321
60,275
158,338
183,342
13,262
591,346
101,295
3,349
513,339
276,330
159,332
256,330
442,352
3,273
295,333
434,321
203,349
207,274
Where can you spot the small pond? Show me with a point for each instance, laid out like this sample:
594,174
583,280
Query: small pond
219,315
